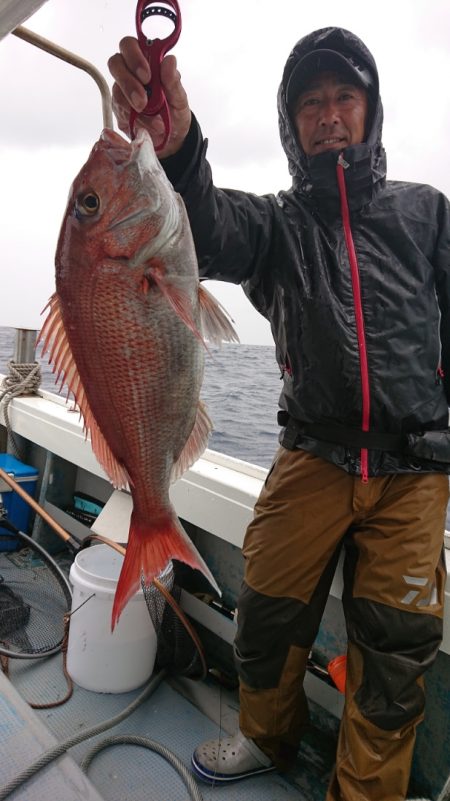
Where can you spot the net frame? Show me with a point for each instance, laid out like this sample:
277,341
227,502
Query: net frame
179,649
61,579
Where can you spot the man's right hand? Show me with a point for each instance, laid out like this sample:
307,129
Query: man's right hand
131,72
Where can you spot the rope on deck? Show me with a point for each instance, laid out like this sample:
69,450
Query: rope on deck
61,748
144,742
23,379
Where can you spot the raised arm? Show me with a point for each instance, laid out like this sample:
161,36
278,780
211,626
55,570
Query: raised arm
232,230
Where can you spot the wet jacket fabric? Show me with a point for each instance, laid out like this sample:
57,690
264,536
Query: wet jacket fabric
362,347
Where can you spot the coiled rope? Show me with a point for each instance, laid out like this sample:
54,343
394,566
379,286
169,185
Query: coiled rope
23,379
61,748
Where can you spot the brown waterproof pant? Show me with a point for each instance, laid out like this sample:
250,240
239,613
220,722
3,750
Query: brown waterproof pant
394,575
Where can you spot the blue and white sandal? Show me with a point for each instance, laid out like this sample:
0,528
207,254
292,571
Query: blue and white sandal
229,759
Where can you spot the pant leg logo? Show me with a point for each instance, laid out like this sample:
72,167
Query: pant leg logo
410,597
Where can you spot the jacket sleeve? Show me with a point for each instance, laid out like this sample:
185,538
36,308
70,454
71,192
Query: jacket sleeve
232,230
442,267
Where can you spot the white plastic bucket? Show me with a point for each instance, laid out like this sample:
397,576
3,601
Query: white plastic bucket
98,659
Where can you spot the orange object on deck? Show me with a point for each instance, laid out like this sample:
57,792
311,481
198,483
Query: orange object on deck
337,668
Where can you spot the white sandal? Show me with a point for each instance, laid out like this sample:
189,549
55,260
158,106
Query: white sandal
229,759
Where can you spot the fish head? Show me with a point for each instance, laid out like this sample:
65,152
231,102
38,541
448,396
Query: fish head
121,206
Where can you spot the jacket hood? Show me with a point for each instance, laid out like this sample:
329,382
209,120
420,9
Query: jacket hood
311,175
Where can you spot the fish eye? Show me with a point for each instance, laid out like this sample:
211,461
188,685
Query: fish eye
87,204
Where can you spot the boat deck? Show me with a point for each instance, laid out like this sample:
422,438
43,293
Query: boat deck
171,716
215,499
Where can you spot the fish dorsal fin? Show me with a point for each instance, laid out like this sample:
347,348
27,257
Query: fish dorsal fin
54,341
196,443
215,322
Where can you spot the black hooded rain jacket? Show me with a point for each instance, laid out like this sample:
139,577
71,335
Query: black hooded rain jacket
363,340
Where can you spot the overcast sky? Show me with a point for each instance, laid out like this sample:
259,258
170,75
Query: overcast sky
231,55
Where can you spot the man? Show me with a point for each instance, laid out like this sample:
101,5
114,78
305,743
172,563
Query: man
353,272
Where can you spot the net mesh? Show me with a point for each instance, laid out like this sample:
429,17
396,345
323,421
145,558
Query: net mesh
176,652
33,599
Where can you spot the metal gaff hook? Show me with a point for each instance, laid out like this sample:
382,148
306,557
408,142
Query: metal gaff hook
154,51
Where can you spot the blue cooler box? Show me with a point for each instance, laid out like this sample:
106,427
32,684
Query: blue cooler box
18,511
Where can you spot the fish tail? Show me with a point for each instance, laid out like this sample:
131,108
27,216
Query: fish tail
148,552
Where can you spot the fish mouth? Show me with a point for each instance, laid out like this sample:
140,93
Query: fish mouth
141,154
118,149
144,152
121,152
111,137
121,149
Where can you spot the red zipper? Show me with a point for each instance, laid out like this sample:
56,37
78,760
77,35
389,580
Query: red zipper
356,286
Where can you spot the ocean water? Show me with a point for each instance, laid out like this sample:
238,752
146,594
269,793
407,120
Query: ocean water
241,389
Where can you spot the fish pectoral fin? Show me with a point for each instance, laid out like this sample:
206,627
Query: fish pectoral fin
196,443
55,342
215,321
176,295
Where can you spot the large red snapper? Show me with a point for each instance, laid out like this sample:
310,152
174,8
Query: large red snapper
125,334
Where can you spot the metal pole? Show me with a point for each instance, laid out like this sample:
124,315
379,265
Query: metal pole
25,346
76,61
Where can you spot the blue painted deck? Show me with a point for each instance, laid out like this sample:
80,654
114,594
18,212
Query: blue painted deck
130,773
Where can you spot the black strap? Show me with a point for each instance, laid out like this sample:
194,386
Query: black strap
340,435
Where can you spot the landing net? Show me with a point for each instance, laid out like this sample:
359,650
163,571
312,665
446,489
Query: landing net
179,650
34,598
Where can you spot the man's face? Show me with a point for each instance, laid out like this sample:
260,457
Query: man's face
330,114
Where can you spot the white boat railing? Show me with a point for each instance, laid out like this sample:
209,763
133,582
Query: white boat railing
216,494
